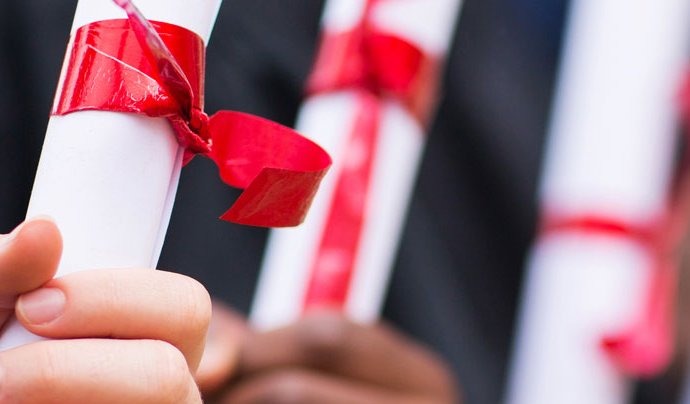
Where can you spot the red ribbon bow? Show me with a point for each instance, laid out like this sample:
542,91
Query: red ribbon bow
157,69
382,63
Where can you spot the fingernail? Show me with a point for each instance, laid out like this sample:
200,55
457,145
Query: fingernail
42,305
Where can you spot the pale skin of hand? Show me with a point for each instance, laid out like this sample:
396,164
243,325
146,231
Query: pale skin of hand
323,358
117,336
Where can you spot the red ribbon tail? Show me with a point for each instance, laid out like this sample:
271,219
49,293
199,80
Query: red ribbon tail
646,349
275,198
279,169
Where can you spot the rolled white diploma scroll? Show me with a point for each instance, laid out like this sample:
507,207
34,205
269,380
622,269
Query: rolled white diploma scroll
328,119
285,275
109,179
610,155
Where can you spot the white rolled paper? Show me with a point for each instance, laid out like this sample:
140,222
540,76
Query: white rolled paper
609,155
109,179
328,119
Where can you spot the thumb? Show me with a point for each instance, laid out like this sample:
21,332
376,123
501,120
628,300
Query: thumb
29,256
220,358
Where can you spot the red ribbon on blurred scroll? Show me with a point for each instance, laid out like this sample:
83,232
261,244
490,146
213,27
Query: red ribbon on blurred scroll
378,66
383,64
157,69
645,347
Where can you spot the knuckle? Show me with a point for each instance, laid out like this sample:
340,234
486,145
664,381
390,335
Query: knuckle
172,378
49,373
198,304
43,375
324,338
286,387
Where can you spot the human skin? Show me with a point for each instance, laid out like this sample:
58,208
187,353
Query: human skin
322,358
116,335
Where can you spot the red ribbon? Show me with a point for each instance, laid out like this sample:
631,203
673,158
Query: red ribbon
384,64
337,252
603,225
645,348
157,69
376,66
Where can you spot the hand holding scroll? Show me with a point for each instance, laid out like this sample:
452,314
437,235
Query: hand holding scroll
126,336
323,358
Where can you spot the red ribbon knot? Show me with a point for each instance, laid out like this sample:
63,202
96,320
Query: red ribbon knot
387,65
157,69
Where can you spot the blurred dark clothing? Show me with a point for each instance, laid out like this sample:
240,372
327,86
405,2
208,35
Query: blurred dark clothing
473,215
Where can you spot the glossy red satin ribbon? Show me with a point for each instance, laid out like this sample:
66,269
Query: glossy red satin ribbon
127,66
375,66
